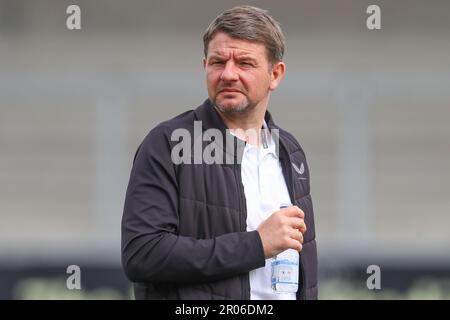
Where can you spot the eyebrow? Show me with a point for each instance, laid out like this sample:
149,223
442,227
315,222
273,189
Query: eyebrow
216,56
244,56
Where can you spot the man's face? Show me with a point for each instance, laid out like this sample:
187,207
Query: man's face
238,74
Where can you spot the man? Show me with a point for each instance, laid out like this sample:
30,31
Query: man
194,228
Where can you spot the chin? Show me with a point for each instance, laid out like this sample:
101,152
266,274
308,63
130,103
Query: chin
231,105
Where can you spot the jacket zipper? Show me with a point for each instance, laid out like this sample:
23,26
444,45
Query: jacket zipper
243,227
242,221
290,186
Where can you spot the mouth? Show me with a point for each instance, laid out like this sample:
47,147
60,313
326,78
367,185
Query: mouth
230,91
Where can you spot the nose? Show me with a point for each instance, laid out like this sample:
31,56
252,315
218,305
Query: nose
229,72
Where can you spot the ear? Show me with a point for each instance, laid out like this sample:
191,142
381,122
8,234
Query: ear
204,62
276,75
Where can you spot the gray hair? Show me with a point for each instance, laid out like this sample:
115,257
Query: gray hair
249,23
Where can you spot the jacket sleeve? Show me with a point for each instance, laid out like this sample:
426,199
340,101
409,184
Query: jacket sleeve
151,249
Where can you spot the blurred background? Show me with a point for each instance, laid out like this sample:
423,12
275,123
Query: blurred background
371,109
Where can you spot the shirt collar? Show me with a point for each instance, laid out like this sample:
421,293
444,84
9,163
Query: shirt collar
268,145
267,141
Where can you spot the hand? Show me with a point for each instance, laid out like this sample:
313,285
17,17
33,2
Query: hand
283,230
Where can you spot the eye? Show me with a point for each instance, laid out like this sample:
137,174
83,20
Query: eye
247,64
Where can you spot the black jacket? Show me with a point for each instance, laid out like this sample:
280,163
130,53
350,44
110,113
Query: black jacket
184,225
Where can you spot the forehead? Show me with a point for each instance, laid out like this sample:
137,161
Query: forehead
223,44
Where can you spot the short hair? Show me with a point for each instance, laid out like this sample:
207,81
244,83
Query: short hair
249,23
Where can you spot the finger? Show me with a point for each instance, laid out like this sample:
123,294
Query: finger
295,244
302,229
300,211
296,222
296,235
294,211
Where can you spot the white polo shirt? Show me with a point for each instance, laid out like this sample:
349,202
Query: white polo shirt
265,189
